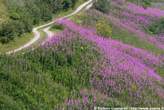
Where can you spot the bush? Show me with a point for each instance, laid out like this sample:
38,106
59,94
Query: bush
14,16
103,28
157,27
14,28
67,4
7,31
58,27
146,3
102,5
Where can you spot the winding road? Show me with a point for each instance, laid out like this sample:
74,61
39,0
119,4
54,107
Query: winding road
47,26
48,32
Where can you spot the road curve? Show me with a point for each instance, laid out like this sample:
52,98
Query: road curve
49,33
37,33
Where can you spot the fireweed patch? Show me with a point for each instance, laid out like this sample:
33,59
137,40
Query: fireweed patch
120,31
137,19
125,75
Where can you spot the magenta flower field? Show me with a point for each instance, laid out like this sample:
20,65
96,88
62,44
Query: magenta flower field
149,11
125,67
127,72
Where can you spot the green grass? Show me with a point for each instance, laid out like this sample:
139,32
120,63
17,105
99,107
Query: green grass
160,70
16,43
56,28
36,45
41,81
129,38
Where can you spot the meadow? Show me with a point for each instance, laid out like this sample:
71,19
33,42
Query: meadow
109,56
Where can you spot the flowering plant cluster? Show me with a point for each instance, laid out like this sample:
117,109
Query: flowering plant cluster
127,74
137,19
64,35
148,11
107,47
132,27
128,71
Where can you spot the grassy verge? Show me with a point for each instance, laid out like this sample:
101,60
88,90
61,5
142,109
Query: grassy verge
160,71
21,41
56,28
16,43
130,38
37,43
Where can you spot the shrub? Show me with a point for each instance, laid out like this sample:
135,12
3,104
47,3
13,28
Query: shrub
7,31
103,28
157,27
58,27
146,3
14,28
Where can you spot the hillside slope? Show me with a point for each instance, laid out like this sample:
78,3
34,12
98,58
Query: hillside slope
108,56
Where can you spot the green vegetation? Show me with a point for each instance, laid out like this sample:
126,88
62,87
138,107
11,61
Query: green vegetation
157,27
144,3
102,5
42,81
129,38
56,28
3,10
160,70
24,14
11,29
21,40
16,43
73,72
103,28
